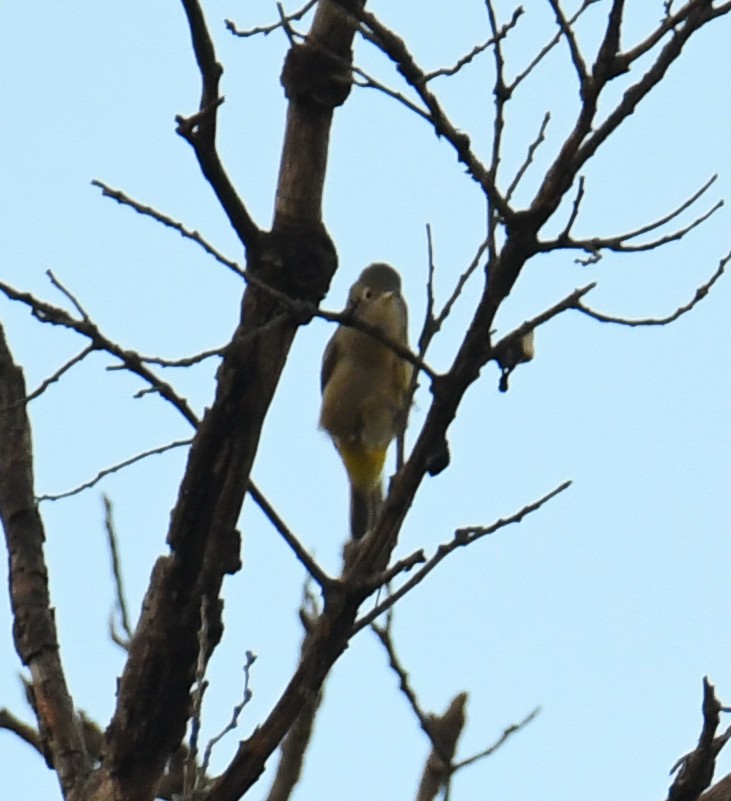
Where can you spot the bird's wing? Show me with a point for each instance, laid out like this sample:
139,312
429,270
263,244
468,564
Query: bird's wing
329,357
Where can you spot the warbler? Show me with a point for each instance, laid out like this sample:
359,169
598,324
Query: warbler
364,387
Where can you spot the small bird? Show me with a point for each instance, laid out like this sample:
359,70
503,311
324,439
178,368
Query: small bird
364,389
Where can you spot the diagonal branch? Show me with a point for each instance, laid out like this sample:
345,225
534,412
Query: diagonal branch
462,537
533,147
514,728
395,48
317,573
568,33
547,48
618,241
107,471
148,211
699,13
54,315
56,376
669,23
200,129
700,293
384,636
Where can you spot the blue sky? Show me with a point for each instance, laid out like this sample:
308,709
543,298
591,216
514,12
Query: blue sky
605,608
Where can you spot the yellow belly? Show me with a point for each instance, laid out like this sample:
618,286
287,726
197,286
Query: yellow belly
364,465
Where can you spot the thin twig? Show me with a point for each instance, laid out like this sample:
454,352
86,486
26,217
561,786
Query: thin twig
394,47
571,301
284,24
546,49
617,243
677,211
169,222
667,25
121,597
473,265
369,82
501,96
54,315
700,293
185,361
384,635
568,33
113,469
565,234
191,775
68,294
477,49
43,386
504,737
267,29
401,566
463,536
199,129
535,144
234,722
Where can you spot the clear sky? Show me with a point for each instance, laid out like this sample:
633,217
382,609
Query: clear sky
605,608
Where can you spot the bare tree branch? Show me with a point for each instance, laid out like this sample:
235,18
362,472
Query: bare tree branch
395,48
493,41
459,286
516,347
54,377
192,778
565,234
200,129
514,728
568,33
54,315
535,144
148,211
294,745
668,24
384,636
314,570
463,536
113,469
186,361
369,82
695,770
35,628
544,51
700,14
267,29
121,597
618,242
700,293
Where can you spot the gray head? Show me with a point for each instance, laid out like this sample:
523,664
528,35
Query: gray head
375,281
381,277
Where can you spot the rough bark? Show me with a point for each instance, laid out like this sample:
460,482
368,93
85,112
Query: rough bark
34,627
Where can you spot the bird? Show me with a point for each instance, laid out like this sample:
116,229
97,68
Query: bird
365,386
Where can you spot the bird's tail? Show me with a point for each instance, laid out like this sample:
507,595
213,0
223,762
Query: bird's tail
365,506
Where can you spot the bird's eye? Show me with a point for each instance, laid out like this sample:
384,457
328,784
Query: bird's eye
367,293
